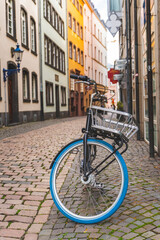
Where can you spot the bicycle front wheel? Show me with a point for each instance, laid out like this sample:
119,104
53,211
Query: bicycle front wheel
93,200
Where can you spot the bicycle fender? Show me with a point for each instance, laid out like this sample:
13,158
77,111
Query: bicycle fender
61,151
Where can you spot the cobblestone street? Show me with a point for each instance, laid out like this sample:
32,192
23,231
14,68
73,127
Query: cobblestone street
27,210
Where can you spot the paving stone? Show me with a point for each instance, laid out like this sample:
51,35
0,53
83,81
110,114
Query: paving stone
130,235
25,173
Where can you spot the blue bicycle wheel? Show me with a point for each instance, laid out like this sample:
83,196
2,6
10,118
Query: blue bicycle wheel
101,195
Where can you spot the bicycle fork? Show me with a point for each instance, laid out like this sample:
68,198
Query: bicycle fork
85,147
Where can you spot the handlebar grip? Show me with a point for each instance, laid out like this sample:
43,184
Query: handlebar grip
83,78
74,76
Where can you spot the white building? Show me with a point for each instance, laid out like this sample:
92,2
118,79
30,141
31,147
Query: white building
19,23
53,64
95,44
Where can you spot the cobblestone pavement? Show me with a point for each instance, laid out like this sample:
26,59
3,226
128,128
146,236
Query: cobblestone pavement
27,210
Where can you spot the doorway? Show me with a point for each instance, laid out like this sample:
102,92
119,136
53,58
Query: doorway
13,109
57,101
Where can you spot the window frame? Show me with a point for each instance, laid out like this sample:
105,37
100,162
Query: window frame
35,36
50,84
63,96
13,35
35,100
27,98
25,45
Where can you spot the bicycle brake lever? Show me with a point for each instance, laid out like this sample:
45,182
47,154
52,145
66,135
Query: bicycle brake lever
83,82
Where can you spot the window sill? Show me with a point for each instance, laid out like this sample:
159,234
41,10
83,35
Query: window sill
35,101
25,46
26,100
34,53
63,104
49,104
12,37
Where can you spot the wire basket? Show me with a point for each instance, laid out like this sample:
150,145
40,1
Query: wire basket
113,121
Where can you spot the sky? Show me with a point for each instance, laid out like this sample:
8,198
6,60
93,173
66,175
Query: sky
112,43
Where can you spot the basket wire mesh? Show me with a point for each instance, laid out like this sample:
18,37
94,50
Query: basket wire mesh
113,121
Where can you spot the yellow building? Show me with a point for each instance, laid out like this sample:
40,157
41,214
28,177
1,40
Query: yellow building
76,55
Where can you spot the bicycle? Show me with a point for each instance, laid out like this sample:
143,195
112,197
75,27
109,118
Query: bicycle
89,177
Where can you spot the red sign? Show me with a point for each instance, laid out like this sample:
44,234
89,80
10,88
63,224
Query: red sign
111,73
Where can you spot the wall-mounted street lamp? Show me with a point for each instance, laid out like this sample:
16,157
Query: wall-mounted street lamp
17,53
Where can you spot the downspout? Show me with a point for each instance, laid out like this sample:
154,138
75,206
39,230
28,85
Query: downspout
127,57
40,62
130,60
67,57
136,68
150,83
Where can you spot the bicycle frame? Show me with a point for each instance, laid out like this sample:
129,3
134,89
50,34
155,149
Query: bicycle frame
89,132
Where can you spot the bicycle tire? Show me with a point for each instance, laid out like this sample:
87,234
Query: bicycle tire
69,192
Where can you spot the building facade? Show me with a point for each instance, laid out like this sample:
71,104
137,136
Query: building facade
95,47
19,95
76,55
139,78
53,58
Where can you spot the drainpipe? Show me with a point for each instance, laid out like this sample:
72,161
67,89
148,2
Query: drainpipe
136,68
40,62
130,59
150,84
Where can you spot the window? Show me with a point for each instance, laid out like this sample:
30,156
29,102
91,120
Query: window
69,20
62,29
115,6
85,62
49,94
88,71
34,88
53,17
77,5
74,53
57,57
33,36
49,11
24,30
80,9
54,55
95,75
60,26
45,51
45,8
95,52
63,62
49,52
63,96
56,21
74,25
10,17
70,49
82,58
60,2
60,61
78,55
81,33
25,77
78,29
95,29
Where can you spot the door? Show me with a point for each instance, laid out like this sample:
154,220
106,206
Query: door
13,96
57,101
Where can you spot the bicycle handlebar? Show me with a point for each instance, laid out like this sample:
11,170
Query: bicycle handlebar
83,78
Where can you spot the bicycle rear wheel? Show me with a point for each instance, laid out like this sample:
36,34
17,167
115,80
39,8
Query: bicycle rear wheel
99,197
